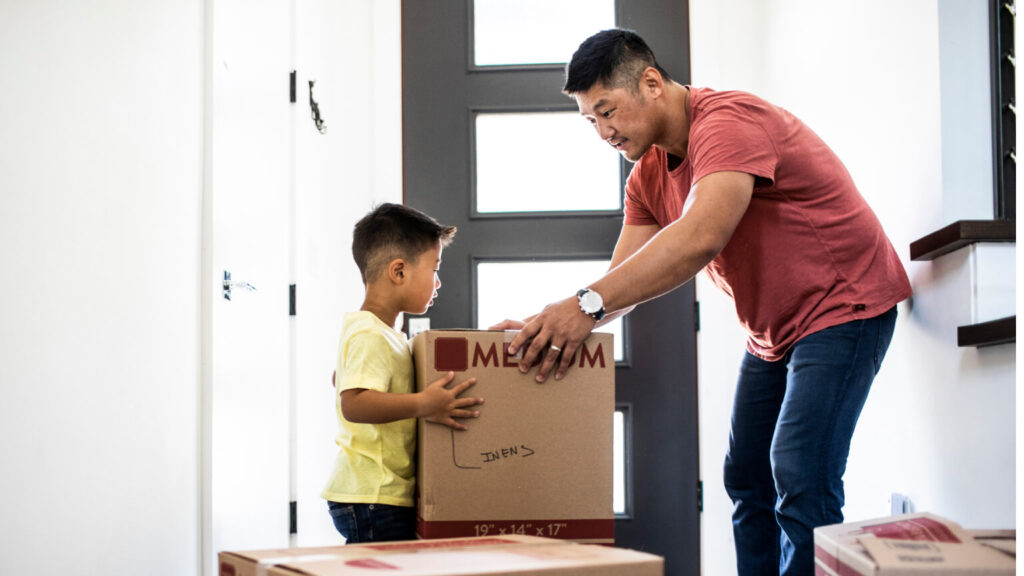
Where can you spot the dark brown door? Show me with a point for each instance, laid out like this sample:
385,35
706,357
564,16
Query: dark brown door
454,110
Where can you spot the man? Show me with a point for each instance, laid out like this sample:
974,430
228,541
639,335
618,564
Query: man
730,184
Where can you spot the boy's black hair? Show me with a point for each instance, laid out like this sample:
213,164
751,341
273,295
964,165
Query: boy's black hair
393,231
613,58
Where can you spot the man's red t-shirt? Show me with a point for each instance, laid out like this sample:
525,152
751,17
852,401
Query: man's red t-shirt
809,253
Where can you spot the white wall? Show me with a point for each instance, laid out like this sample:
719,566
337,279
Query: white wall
868,77
101,232
100,194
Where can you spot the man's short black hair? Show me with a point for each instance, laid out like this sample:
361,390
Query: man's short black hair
614,58
393,231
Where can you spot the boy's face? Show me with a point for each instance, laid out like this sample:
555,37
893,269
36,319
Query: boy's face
423,281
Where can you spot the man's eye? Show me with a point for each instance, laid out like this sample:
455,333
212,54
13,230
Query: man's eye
608,114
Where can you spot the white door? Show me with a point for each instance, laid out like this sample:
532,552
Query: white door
246,224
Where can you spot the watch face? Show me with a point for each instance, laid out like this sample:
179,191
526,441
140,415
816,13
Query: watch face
591,302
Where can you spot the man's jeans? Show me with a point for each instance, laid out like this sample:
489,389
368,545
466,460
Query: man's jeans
792,421
373,522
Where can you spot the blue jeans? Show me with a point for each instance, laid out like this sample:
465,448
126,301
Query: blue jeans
792,421
373,522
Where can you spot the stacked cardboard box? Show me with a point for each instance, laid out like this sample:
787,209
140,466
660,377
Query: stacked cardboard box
538,461
920,543
485,556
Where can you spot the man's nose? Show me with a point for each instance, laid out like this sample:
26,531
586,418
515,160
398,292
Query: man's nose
604,130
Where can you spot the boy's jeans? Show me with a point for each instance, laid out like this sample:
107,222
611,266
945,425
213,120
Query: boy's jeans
373,522
792,422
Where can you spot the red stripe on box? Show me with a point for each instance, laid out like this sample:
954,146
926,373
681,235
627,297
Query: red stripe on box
423,545
826,558
914,529
562,529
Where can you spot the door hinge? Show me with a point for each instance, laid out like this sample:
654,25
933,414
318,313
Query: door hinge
293,523
700,496
696,316
291,299
291,87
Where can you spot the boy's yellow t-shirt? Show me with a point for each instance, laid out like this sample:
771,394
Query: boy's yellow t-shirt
375,462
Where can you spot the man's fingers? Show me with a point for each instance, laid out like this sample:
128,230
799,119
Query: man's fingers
549,361
508,325
533,352
527,332
568,353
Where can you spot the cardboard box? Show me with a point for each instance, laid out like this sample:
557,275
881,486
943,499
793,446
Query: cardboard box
485,556
920,543
538,461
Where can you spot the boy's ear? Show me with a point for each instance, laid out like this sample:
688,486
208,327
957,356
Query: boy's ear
397,270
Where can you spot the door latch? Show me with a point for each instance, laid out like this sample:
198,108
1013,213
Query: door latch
228,285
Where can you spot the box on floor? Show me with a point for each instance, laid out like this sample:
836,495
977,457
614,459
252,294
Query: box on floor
538,460
483,556
921,543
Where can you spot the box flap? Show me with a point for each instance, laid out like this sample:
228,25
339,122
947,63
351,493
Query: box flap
557,557
917,526
936,557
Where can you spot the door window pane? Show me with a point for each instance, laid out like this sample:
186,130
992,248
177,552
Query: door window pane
543,162
619,462
511,32
518,289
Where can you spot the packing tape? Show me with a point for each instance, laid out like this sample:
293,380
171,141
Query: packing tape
265,564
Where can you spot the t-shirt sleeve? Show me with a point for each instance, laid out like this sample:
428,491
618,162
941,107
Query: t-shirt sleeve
635,211
364,363
726,141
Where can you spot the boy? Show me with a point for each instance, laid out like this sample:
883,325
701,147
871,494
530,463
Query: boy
370,491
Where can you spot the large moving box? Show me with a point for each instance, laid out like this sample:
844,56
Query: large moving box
919,543
538,460
484,556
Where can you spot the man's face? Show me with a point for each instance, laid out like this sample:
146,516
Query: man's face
621,118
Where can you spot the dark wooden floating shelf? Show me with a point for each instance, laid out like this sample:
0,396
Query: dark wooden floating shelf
960,234
1000,331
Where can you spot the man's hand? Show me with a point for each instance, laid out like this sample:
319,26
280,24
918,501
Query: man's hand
560,328
442,405
508,325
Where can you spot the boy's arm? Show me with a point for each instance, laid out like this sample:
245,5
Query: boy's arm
436,403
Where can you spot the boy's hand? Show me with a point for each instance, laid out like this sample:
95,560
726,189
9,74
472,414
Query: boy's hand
443,405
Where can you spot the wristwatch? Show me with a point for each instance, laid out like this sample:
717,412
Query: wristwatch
591,303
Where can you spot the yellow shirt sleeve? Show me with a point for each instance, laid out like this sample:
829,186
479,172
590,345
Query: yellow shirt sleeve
365,363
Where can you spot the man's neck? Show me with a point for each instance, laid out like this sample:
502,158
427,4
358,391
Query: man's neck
677,121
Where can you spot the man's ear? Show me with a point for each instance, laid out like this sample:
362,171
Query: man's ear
397,270
651,82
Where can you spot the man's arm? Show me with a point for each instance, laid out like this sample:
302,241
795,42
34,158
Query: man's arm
631,239
664,262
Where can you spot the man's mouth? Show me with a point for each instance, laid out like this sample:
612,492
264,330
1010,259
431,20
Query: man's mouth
618,143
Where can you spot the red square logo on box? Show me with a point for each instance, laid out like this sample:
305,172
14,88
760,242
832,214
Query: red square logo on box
451,354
